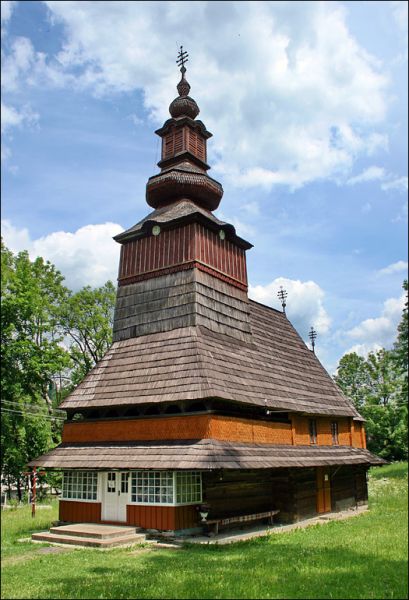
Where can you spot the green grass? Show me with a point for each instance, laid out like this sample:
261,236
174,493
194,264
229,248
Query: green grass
363,557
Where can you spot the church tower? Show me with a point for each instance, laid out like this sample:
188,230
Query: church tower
181,266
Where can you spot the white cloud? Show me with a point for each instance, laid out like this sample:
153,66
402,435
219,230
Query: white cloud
12,117
7,7
379,332
369,174
396,267
396,183
389,181
291,94
242,229
400,15
88,256
304,303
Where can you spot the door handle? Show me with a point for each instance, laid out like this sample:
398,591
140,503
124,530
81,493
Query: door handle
119,492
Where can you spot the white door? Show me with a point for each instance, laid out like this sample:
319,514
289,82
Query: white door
115,496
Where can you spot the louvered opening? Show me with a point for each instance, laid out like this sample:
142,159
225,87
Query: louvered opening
178,141
201,148
192,142
168,146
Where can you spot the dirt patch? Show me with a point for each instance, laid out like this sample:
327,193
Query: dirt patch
53,550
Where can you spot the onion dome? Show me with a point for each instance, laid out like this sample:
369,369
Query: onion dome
184,154
183,105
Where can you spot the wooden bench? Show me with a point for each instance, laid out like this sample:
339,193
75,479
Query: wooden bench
241,519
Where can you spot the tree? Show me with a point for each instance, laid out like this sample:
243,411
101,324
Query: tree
351,377
32,355
401,350
87,319
378,387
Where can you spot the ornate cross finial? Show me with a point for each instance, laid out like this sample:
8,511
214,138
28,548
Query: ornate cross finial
182,59
312,335
282,294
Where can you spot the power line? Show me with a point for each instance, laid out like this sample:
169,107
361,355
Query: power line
20,412
33,407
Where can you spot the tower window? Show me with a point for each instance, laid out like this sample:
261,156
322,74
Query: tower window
313,431
334,433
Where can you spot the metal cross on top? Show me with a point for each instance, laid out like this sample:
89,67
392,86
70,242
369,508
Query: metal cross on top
182,58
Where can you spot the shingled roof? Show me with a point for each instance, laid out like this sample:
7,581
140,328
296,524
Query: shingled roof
200,454
176,213
276,370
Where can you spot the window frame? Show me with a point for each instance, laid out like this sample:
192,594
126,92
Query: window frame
335,433
173,487
312,429
94,483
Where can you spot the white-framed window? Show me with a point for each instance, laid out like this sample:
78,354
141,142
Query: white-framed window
79,485
188,487
166,487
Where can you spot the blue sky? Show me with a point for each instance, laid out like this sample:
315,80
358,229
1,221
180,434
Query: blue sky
307,102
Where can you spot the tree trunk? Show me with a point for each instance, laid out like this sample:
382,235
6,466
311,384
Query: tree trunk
19,495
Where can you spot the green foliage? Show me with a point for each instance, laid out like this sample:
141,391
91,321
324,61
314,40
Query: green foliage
31,293
351,378
378,387
38,318
87,318
400,349
361,557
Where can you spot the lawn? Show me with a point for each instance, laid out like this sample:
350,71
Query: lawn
363,557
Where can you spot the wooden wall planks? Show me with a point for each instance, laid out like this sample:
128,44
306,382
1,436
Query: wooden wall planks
80,512
183,245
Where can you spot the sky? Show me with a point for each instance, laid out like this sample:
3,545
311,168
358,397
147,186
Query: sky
307,103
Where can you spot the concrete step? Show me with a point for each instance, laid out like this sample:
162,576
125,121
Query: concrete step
54,538
92,530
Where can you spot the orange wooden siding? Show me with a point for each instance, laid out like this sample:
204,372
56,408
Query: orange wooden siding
358,435
218,427
80,512
187,427
247,430
346,436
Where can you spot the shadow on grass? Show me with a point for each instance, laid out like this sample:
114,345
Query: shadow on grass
260,571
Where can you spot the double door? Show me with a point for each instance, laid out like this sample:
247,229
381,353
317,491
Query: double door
115,485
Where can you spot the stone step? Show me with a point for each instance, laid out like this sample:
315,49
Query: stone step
93,530
53,538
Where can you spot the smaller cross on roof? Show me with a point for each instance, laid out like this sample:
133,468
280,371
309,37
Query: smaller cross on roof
312,335
282,294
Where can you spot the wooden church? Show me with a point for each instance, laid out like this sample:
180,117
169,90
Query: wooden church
208,407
